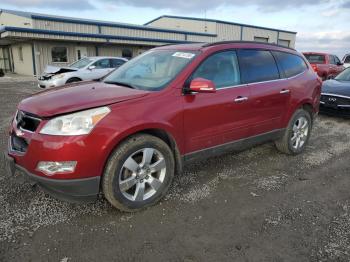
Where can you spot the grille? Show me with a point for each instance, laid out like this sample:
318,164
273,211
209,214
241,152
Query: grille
27,122
335,100
18,143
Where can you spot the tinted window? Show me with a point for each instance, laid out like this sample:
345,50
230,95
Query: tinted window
332,60
337,60
117,62
315,59
347,59
257,66
221,68
291,64
103,63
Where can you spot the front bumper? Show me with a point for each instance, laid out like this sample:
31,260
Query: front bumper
51,83
72,190
335,111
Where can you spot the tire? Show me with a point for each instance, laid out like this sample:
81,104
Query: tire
288,142
72,80
123,181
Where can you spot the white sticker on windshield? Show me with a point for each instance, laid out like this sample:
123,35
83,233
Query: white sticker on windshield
184,55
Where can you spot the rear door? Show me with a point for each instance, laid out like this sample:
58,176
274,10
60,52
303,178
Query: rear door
101,68
269,93
212,119
339,65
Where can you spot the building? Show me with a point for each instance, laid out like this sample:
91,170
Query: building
30,41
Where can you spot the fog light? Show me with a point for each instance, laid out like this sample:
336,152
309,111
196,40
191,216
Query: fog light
51,168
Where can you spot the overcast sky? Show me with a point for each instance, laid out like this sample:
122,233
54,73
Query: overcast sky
322,25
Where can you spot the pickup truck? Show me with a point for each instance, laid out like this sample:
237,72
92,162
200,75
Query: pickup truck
327,66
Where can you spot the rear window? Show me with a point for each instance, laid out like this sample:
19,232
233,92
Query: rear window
292,65
315,59
257,66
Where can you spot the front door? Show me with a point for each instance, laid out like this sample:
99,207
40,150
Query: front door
212,119
80,52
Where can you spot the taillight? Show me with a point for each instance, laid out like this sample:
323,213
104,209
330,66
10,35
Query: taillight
314,67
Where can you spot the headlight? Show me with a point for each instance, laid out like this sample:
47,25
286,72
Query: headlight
57,76
80,123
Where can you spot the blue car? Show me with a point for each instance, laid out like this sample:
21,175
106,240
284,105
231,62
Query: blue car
335,96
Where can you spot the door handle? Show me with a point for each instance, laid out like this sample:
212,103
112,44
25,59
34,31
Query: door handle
285,91
241,99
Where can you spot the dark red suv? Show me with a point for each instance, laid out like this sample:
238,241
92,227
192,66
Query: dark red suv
327,66
128,134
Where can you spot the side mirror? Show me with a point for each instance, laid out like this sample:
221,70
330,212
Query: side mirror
340,63
91,67
202,85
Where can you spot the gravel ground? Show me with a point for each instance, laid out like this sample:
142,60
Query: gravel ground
258,205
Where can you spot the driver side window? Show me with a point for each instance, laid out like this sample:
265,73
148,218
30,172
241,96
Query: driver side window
221,68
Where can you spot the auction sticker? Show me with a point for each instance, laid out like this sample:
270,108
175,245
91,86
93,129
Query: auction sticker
184,55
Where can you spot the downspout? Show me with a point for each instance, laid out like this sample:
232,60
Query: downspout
33,58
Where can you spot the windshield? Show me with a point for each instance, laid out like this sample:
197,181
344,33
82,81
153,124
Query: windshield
81,63
315,59
343,76
153,70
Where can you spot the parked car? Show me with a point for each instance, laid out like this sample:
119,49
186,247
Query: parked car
335,98
327,66
346,60
127,135
88,68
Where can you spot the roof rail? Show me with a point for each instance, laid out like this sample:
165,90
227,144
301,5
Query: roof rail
244,42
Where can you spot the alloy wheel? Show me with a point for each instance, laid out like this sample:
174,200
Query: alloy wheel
142,174
300,133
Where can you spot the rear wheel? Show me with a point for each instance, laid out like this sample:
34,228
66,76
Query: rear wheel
297,134
138,173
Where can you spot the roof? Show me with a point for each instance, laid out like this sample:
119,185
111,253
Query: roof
217,21
75,20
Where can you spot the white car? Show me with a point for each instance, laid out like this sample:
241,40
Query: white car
88,68
346,60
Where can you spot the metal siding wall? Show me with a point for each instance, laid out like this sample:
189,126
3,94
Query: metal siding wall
228,32
288,36
184,24
249,33
141,33
66,27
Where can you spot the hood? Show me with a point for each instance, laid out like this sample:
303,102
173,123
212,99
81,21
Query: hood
336,87
58,70
76,97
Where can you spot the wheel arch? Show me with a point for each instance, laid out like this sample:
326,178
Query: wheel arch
74,77
158,132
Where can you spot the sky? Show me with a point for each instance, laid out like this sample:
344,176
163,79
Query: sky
322,25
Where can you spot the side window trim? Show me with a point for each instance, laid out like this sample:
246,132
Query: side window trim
190,78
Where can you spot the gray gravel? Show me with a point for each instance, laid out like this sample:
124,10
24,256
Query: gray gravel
258,205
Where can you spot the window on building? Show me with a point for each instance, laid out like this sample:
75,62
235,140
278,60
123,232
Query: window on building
292,65
285,43
59,54
261,39
127,53
257,66
101,64
20,53
221,68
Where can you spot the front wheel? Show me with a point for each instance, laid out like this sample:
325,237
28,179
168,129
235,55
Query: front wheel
297,134
138,173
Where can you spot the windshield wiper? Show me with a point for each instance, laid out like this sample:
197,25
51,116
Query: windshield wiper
121,84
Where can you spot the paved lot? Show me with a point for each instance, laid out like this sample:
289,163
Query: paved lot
258,205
